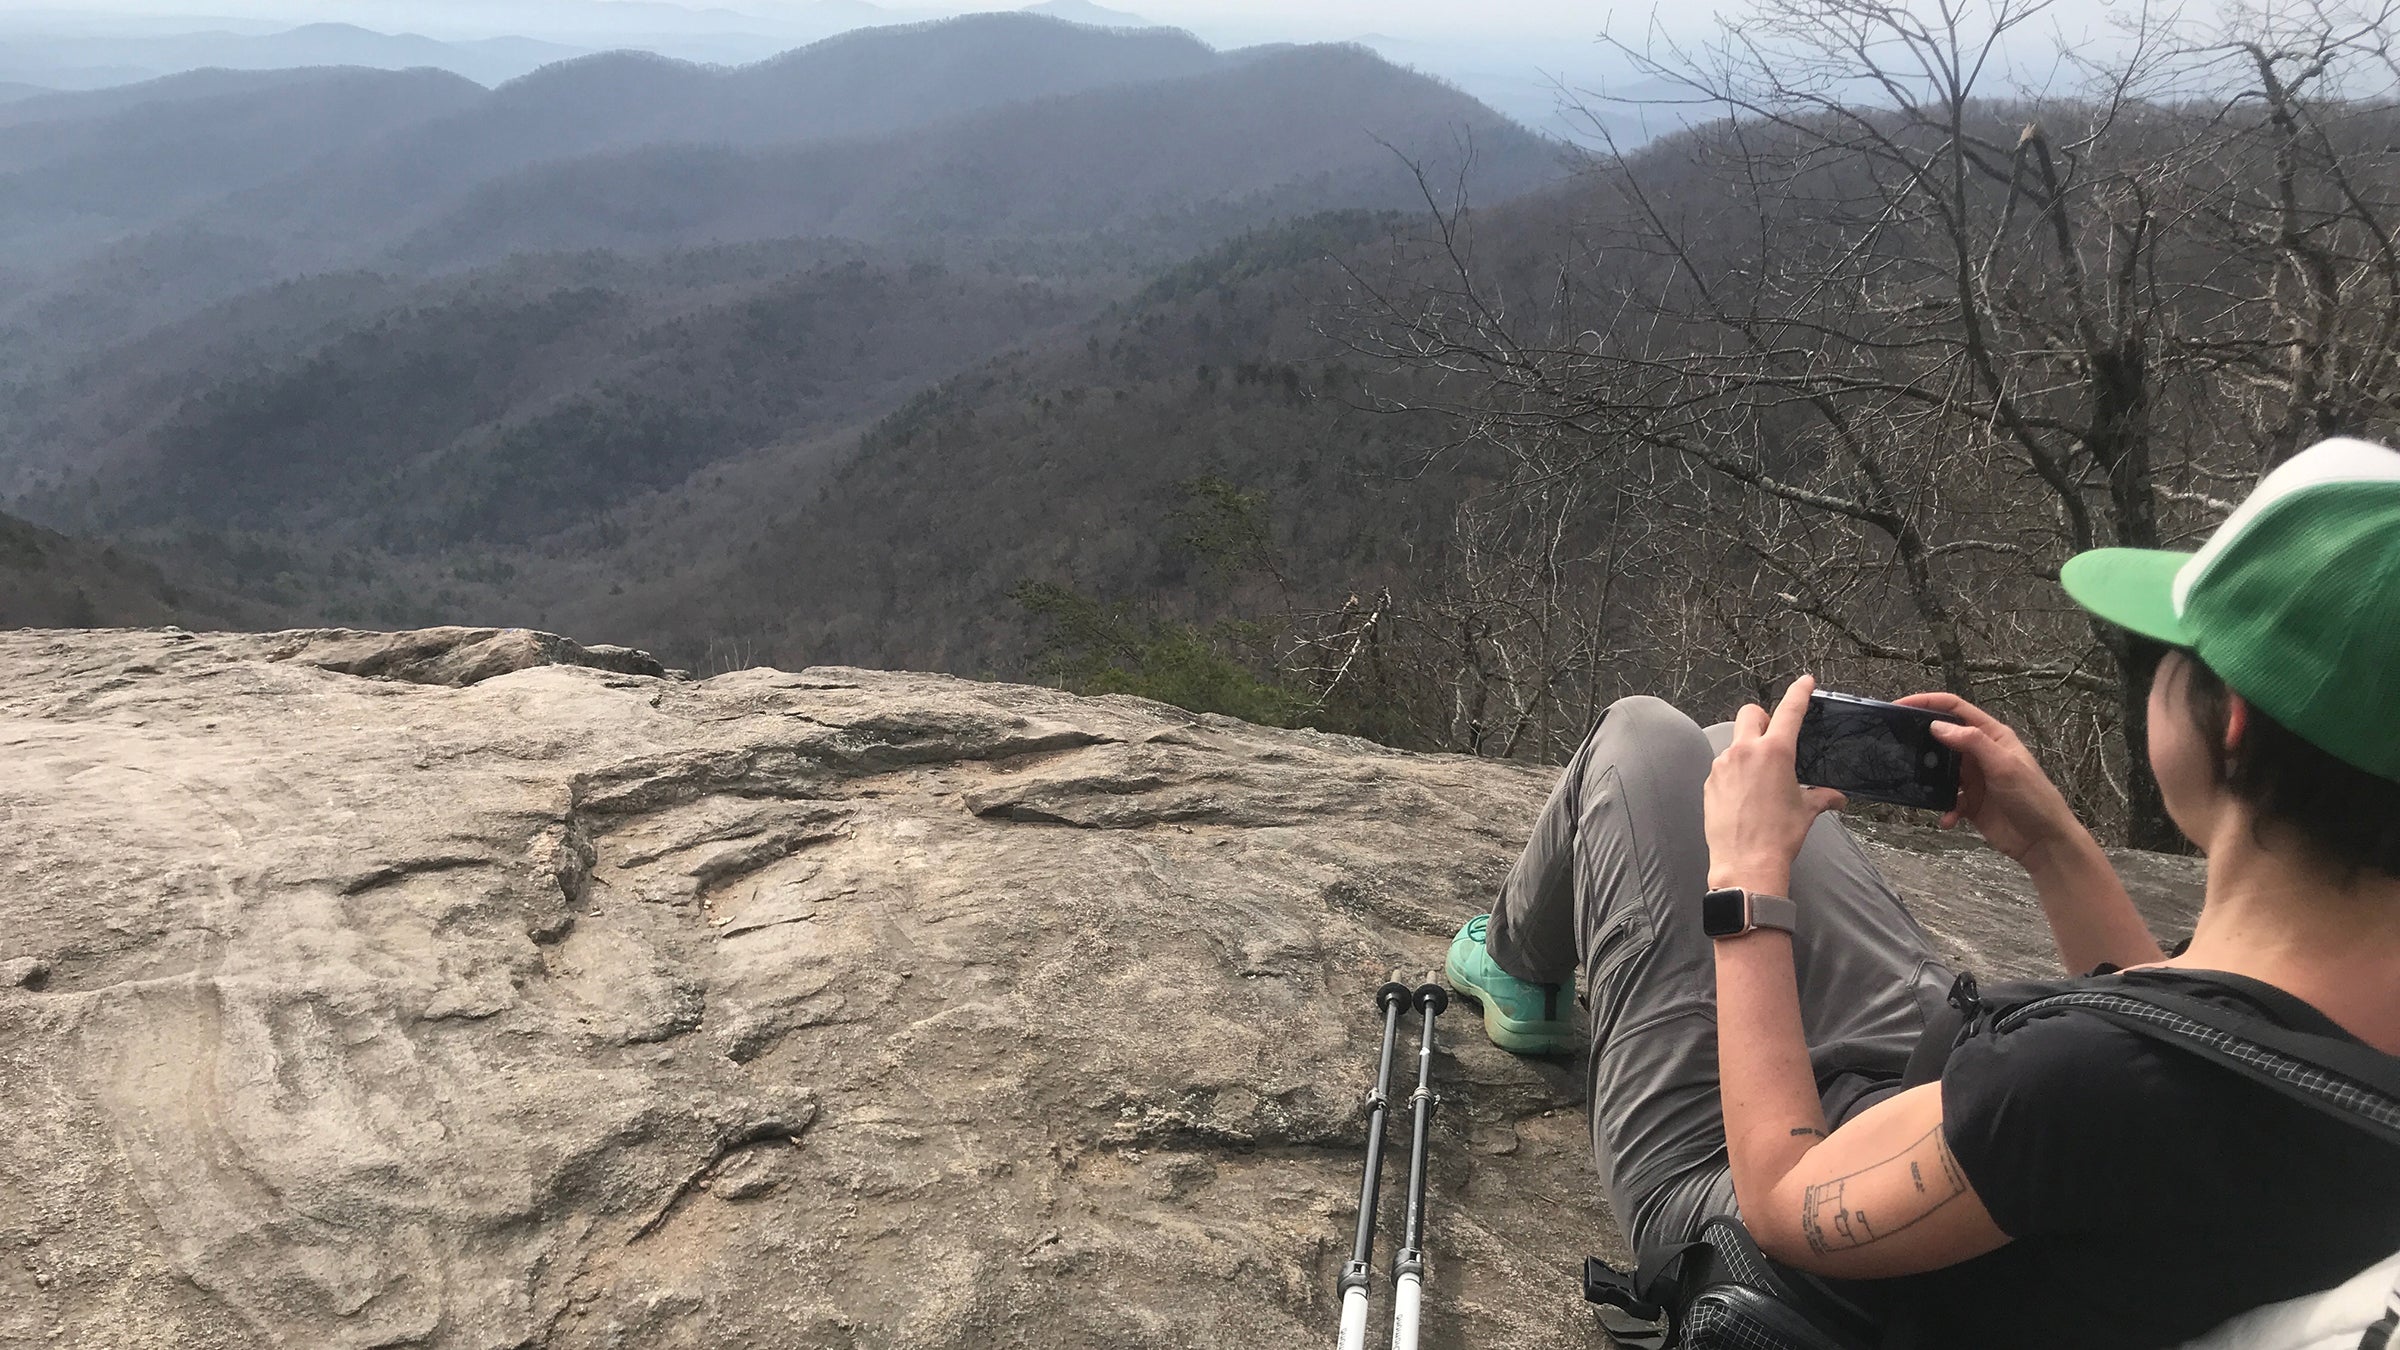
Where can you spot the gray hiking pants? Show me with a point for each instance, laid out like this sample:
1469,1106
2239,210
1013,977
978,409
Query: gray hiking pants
1608,891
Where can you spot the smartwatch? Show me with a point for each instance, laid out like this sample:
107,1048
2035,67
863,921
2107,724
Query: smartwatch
1731,911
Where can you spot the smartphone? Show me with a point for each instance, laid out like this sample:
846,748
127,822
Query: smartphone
1876,751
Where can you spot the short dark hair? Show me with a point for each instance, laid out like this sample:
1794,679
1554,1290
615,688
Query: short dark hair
2347,817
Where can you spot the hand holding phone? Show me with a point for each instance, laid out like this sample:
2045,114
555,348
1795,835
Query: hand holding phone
2002,790
1876,751
1755,816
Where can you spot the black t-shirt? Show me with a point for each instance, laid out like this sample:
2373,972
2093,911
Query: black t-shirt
2150,1193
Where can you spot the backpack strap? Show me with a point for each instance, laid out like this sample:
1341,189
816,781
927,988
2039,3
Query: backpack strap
1606,1286
1942,1028
2340,1077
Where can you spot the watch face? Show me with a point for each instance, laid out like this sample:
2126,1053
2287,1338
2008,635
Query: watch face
1724,913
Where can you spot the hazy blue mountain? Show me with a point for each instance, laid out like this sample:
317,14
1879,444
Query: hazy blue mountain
1555,87
75,169
12,91
63,106
495,315
486,61
1084,11
123,209
623,19
855,12
62,18
881,79
1192,159
334,205
874,80
625,22
53,75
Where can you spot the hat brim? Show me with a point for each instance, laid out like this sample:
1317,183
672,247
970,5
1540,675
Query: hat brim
2133,588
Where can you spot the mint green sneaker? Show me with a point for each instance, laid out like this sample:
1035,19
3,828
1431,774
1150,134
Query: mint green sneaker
1520,1016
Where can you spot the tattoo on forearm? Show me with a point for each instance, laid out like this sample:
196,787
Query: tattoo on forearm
1810,1130
1873,1203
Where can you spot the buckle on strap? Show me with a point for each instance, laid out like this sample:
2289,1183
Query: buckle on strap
1610,1287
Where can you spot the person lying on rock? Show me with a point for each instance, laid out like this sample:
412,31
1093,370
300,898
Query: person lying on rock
2065,1183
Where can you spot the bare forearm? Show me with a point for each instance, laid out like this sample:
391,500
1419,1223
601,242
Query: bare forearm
1809,1198
1879,1198
1772,1114
2091,917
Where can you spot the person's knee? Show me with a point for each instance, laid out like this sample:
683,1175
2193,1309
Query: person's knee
1648,735
1641,721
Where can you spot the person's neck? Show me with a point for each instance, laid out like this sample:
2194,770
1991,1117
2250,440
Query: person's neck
2273,913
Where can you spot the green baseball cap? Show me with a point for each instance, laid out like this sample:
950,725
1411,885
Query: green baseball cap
2294,601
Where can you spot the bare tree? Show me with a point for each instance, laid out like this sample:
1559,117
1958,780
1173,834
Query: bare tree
1882,341
2291,183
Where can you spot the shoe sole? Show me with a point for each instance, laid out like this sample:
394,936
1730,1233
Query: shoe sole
1510,1034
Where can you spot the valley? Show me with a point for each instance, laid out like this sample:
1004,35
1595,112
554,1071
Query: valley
810,359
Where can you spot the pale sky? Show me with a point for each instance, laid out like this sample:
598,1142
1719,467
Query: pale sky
1518,18
1569,23
1307,19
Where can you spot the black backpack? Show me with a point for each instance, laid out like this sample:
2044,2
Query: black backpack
1719,1292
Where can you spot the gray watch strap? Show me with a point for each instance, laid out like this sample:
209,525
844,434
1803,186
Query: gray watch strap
1773,911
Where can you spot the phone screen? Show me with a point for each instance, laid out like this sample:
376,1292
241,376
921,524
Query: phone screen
1877,751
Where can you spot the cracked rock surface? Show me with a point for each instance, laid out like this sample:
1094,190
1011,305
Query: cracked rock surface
419,990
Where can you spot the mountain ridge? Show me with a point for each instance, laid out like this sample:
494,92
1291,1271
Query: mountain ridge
313,217
150,160
1261,126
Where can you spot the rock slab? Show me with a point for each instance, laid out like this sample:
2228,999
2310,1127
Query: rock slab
421,990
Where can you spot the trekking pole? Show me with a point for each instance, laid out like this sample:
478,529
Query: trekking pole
1410,1290
1356,1276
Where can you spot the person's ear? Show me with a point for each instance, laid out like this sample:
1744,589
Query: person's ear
2237,723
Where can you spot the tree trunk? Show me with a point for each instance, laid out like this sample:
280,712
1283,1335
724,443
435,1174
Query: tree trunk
2120,444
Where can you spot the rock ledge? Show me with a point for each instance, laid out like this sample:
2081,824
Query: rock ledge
519,997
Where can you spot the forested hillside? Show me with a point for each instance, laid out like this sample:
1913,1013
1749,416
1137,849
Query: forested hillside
594,347
48,580
505,406
1141,148
1070,462
711,476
